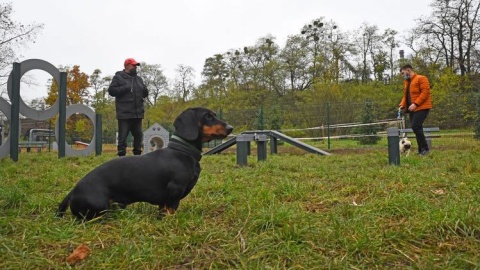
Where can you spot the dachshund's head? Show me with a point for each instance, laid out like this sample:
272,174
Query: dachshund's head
200,125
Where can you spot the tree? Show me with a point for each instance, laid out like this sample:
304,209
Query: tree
329,51
13,36
77,88
77,126
184,82
338,52
155,81
453,29
391,42
260,66
368,131
367,44
271,72
99,85
294,59
425,58
215,73
313,33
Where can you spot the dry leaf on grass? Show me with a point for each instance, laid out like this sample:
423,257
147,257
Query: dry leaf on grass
80,253
438,192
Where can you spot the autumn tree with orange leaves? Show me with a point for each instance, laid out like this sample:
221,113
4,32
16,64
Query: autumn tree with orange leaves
79,127
77,87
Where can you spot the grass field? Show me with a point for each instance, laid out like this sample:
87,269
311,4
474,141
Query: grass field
350,210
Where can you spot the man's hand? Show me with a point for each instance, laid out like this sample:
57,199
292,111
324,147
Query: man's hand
412,107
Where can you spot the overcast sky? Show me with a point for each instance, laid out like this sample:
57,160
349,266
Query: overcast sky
102,33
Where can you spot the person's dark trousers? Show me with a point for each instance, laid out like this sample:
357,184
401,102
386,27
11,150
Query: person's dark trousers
126,126
416,121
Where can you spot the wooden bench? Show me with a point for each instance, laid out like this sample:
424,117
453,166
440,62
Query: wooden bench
427,131
30,145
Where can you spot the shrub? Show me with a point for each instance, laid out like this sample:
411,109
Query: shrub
368,117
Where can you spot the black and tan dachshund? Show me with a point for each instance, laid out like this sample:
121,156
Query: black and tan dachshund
162,177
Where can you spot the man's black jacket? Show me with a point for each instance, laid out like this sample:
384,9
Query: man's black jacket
129,92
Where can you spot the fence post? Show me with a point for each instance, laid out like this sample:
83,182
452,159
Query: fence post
261,119
220,114
62,114
393,146
273,145
98,134
15,112
328,124
477,121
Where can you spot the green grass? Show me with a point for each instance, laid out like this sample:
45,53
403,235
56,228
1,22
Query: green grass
293,211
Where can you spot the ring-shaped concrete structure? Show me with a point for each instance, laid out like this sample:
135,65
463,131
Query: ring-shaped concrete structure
83,109
5,147
24,109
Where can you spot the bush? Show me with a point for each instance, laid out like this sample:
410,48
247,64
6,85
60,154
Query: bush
368,116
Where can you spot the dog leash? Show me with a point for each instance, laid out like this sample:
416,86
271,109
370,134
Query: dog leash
401,119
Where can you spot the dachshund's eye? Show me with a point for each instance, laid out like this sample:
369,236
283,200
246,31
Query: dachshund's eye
209,117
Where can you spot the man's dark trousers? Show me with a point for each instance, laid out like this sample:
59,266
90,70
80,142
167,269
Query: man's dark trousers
135,127
416,121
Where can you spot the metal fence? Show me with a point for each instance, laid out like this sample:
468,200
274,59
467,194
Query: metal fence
349,120
338,121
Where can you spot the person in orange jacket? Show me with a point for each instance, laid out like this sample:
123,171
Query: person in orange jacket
417,102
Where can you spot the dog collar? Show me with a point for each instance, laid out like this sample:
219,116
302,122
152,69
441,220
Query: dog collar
182,145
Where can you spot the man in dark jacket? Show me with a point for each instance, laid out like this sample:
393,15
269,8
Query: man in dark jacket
129,92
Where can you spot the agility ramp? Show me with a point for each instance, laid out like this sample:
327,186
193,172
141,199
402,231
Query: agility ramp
219,148
274,137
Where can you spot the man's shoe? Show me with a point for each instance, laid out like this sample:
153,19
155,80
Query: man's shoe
424,152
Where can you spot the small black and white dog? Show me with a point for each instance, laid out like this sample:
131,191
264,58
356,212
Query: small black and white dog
405,146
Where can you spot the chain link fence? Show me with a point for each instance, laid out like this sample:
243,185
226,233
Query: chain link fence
331,123
341,121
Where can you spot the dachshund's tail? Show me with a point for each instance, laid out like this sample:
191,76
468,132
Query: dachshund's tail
64,205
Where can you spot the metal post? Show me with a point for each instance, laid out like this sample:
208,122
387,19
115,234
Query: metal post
50,137
261,119
273,145
243,145
62,114
15,112
98,134
261,140
393,146
328,124
242,153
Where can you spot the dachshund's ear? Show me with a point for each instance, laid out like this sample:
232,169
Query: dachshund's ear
186,125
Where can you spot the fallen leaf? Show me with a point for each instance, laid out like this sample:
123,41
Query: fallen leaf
80,253
438,192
